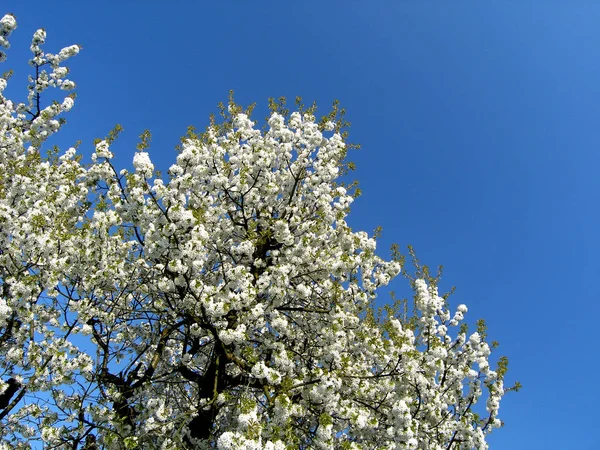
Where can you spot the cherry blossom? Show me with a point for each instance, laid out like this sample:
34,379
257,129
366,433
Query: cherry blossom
228,304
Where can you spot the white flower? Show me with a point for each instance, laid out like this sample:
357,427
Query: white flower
39,37
67,85
5,311
475,338
7,24
142,164
68,52
67,104
102,151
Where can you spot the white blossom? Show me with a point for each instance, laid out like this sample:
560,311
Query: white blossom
142,164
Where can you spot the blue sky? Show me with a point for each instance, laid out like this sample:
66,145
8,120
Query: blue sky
479,123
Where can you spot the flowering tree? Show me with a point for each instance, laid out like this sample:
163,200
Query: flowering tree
228,305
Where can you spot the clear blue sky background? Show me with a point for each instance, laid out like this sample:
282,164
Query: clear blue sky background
479,123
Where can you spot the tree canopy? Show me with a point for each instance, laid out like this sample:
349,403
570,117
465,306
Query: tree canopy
227,304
